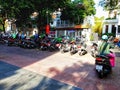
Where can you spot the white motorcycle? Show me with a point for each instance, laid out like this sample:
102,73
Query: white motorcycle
94,50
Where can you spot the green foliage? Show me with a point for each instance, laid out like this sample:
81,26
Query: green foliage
97,28
91,37
22,9
11,8
109,34
109,4
78,10
1,28
110,18
89,7
14,9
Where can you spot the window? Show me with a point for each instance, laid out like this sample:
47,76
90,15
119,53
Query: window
118,28
106,29
113,29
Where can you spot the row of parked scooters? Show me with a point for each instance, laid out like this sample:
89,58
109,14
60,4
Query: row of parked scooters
31,43
74,48
48,44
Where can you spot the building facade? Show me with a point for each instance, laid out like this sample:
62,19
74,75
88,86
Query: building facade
65,28
112,23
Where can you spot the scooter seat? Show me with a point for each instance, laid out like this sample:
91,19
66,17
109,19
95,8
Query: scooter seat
102,56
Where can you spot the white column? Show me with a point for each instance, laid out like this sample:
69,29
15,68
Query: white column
104,28
110,28
75,33
65,33
118,19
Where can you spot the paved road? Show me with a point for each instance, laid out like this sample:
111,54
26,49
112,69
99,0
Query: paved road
15,78
77,71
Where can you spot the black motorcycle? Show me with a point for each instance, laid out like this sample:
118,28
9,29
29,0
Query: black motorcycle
54,46
27,43
44,45
82,52
13,42
102,65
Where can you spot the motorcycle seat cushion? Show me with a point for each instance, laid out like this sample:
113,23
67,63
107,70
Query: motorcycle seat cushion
102,56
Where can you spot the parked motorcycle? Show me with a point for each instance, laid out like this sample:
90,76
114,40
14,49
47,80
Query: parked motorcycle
94,49
65,47
27,43
73,49
44,45
102,65
12,42
82,52
118,44
3,41
53,45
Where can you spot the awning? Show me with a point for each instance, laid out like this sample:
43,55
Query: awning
76,27
83,26
67,28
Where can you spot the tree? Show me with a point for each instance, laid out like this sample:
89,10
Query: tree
46,7
19,10
97,28
77,10
2,19
22,9
109,5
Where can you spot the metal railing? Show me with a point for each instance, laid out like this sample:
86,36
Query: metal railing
64,24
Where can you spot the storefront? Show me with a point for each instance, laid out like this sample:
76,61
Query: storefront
70,32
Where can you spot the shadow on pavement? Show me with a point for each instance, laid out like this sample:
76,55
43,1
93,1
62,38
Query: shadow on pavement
15,78
84,76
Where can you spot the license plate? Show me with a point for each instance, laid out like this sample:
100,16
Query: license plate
99,67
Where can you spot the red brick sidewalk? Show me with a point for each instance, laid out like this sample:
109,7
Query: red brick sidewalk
74,70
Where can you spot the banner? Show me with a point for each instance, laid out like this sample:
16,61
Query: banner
47,29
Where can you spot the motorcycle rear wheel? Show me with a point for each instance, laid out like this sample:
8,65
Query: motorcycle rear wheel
101,75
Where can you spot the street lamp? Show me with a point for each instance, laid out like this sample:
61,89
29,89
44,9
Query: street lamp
33,17
1,9
47,26
47,16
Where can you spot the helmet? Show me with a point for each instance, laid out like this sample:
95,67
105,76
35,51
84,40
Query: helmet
105,37
72,42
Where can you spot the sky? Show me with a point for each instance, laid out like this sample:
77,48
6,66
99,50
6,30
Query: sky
99,10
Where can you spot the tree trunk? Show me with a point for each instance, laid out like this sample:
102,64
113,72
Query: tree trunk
4,28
